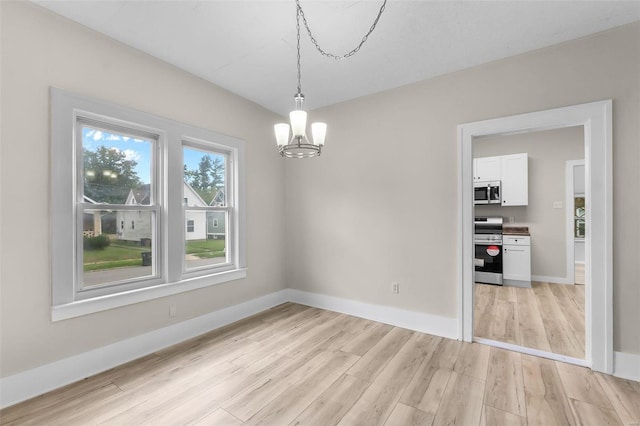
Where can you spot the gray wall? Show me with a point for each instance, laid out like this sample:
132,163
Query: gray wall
391,158
40,49
548,152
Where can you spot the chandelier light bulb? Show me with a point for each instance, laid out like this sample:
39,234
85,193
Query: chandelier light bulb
318,132
282,134
298,122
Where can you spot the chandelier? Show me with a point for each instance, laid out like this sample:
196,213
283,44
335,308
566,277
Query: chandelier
298,146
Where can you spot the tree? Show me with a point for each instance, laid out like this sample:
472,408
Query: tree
108,175
208,178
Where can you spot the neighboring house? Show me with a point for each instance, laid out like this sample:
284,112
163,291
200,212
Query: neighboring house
96,223
195,221
199,225
216,223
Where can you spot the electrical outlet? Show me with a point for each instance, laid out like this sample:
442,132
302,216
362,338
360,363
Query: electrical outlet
172,310
512,219
557,204
395,288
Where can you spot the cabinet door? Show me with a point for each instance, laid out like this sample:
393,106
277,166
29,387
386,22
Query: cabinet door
515,180
516,263
486,169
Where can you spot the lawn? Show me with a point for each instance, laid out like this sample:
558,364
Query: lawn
122,254
206,249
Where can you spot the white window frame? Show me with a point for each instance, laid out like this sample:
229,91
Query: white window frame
66,219
191,225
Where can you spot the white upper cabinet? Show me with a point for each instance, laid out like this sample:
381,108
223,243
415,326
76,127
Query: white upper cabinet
515,179
486,169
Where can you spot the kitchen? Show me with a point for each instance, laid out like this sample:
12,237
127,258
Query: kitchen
525,286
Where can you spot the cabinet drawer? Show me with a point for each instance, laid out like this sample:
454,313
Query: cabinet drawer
516,240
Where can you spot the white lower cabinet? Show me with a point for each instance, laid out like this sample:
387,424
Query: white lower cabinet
516,260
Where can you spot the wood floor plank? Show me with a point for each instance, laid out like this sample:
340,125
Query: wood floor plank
462,401
547,403
505,385
624,396
532,332
581,384
379,399
495,417
198,401
483,311
404,415
473,360
218,418
374,360
559,332
333,404
575,317
57,414
289,404
590,414
368,339
251,400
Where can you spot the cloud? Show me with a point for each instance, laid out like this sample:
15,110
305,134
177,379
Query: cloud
132,155
97,135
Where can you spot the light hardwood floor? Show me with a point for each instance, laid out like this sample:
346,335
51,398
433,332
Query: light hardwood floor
296,365
549,317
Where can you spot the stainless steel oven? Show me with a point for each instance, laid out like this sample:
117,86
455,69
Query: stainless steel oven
487,192
488,250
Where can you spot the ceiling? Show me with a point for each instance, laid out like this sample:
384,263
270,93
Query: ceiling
248,47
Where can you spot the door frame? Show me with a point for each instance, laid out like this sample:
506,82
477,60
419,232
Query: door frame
596,119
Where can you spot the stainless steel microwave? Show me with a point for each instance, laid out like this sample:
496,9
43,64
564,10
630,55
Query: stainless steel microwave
487,192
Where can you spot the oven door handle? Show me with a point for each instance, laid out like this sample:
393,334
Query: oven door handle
487,243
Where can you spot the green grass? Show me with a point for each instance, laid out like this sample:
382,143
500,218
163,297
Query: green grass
114,264
123,254
198,247
114,252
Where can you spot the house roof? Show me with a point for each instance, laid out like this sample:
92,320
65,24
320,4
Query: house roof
139,195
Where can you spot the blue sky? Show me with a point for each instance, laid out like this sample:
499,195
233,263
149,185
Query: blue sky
137,149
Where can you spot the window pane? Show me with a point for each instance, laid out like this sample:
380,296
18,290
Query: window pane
116,246
204,178
117,167
206,246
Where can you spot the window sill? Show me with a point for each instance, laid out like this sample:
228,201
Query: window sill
104,303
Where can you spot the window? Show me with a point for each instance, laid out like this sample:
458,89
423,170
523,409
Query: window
579,220
128,169
205,177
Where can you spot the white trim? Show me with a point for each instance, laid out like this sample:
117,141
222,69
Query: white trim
34,382
411,320
552,280
116,300
531,351
626,365
597,121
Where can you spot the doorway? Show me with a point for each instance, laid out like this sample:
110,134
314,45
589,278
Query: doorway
595,118
536,305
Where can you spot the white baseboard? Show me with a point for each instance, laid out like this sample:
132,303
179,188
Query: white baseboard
417,321
552,280
27,384
626,366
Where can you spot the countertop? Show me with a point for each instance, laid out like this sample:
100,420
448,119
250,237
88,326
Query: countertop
515,230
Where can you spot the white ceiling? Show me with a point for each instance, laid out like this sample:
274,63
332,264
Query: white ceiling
248,47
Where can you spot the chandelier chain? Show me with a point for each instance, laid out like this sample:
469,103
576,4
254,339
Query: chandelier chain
300,12
298,47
